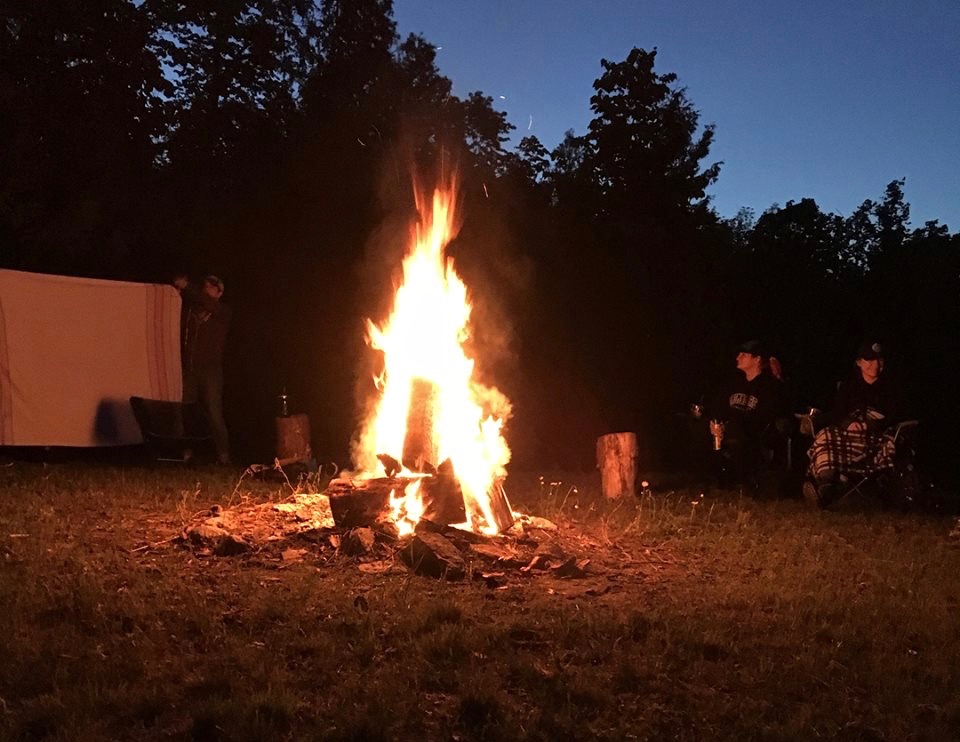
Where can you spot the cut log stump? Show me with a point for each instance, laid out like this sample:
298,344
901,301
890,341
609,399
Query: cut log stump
293,438
617,461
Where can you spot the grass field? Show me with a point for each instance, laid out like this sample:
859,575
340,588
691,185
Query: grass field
702,617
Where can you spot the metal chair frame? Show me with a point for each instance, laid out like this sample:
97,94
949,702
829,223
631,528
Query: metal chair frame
167,441
900,431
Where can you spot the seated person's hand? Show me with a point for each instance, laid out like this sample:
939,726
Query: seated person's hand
876,420
180,282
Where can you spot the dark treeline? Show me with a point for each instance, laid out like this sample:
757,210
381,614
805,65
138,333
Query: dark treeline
273,143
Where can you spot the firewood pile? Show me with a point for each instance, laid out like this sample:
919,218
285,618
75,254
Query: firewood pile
338,525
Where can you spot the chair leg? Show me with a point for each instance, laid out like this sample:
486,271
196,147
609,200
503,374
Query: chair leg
855,488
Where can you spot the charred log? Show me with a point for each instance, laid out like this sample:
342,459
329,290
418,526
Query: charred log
419,444
443,498
363,502
431,554
500,509
390,465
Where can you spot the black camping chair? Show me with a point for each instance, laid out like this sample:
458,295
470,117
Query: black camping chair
899,486
172,431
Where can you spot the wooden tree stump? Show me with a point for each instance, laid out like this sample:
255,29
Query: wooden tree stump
617,461
293,438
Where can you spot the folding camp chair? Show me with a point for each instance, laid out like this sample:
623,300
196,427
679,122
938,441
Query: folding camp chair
172,431
900,484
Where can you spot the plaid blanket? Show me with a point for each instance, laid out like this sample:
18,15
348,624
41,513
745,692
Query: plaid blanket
852,450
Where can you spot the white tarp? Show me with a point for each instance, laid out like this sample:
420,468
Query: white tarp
74,350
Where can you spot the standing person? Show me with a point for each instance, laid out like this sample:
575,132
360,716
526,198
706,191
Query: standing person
204,324
853,439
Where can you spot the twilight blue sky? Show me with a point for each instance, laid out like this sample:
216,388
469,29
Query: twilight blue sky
830,100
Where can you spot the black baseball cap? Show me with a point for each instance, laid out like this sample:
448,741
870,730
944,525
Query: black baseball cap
870,350
753,347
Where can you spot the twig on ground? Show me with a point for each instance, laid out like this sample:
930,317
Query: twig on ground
249,471
570,491
155,544
279,467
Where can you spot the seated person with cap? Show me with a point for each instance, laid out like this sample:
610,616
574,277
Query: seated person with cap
855,438
743,415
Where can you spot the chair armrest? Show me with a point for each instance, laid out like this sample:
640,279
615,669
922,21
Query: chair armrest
902,426
807,424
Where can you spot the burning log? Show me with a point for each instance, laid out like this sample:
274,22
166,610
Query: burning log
390,465
500,509
617,461
362,502
419,444
443,497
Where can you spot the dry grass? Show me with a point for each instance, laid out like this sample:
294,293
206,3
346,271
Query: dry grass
714,617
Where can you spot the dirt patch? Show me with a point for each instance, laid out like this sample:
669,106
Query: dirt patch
302,528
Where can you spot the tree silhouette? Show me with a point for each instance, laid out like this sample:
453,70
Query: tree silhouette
272,141
80,109
643,138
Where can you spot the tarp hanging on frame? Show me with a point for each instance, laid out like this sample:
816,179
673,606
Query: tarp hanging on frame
74,350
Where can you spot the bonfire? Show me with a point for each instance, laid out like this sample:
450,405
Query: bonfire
432,445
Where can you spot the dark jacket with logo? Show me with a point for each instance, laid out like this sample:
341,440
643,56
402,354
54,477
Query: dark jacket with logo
751,406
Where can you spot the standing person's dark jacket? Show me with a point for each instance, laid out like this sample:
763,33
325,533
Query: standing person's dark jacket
204,324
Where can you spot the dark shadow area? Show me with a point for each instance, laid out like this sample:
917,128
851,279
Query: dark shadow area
608,295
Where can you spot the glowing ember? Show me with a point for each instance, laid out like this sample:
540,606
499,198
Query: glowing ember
407,508
430,408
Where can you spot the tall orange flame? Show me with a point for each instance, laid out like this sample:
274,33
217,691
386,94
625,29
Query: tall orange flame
422,342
